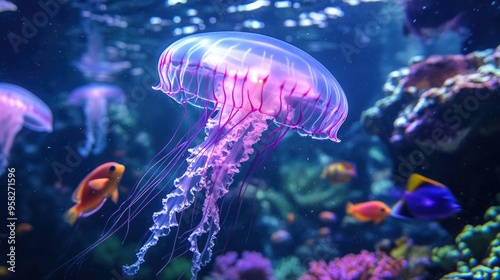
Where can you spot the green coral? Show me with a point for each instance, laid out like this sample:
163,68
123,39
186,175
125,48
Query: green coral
308,190
177,269
476,250
446,257
288,268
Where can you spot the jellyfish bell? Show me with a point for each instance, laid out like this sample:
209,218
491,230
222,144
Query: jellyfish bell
37,115
272,77
20,107
96,91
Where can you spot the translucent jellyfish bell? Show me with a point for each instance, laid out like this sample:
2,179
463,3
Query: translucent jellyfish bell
19,107
94,98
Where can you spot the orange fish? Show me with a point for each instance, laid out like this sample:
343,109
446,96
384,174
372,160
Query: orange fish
94,189
324,231
339,172
375,211
24,228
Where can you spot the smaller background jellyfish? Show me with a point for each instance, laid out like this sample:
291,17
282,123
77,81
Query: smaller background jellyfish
19,106
94,98
7,6
94,63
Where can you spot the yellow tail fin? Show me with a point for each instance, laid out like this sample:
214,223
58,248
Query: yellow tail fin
71,215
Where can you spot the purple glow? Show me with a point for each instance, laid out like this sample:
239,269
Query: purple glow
94,98
94,64
19,106
244,82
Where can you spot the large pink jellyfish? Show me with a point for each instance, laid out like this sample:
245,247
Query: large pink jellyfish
19,106
94,98
244,82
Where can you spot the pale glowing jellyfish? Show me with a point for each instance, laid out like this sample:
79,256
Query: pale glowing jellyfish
94,98
244,82
19,107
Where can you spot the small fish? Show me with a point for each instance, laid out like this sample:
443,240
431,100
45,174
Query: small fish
327,216
339,172
4,271
280,236
324,232
94,189
425,199
23,228
369,211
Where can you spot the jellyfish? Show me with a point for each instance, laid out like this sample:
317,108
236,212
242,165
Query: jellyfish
94,64
94,98
243,82
19,106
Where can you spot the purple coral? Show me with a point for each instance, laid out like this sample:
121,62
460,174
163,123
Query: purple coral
362,266
251,265
434,71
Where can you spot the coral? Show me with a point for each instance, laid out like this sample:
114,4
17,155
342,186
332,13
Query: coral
307,189
446,257
427,100
417,256
288,268
318,247
178,269
362,266
477,248
112,252
433,71
270,198
443,111
251,266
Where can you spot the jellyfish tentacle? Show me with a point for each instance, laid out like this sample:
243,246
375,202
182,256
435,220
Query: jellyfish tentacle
211,167
240,140
96,127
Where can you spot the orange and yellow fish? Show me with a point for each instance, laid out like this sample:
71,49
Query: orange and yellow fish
94,189
370,211
339,172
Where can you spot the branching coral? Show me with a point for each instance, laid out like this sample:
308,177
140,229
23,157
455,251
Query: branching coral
363,266
251,265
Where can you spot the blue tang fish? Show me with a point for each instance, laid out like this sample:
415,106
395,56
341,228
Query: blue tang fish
425,199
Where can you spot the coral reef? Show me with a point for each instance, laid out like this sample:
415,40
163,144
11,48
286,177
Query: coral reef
476,251
362,266
288,268
251,265
434,71
308,190
417,256
443,111
436,99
